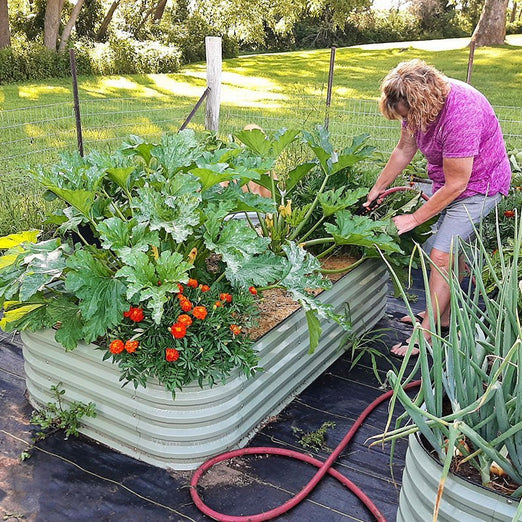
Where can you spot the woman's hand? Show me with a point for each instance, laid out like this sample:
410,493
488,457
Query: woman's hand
372,196
405,223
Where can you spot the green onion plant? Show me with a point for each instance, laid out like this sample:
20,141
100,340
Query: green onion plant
471,381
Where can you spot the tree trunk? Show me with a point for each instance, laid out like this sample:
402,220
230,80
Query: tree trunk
102,31
160,9
491,28
145,17
513,16
70,25
5,33
52,23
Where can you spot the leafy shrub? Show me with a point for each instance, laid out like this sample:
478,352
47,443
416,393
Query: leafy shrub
190,35
125,55
514,27
26,60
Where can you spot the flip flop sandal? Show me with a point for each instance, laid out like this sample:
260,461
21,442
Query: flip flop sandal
407,319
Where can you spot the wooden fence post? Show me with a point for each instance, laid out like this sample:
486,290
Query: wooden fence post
214,63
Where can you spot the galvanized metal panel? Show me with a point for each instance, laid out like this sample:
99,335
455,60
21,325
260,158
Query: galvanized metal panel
182,433
462,501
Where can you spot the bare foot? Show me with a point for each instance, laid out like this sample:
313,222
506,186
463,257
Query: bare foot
400,349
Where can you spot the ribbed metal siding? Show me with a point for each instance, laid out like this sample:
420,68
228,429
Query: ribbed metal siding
461,500
182,433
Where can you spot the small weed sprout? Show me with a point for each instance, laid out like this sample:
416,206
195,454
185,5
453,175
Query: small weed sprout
314,440
411,297
54,417
358,345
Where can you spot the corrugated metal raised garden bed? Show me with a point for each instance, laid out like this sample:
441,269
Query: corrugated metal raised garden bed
146,423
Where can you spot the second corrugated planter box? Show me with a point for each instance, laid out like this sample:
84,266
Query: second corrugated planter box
146,423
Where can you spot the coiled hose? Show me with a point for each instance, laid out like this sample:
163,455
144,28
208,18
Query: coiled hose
324,468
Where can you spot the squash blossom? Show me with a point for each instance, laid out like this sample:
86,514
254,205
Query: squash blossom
171,354
116,346
286,210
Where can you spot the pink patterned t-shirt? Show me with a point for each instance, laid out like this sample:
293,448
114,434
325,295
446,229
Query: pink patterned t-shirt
467,126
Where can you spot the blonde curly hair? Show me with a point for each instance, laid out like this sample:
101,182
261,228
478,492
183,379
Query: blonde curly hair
420,87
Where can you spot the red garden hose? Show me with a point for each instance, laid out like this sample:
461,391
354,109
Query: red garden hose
324,467
399,189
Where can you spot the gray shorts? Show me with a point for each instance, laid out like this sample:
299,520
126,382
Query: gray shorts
458,218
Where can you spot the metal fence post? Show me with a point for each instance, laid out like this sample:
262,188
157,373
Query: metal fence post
79,135
214,66
329,89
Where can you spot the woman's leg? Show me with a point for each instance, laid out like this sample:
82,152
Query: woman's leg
439,289
456,220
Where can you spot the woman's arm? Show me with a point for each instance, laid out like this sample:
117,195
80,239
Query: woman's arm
399,159
457,172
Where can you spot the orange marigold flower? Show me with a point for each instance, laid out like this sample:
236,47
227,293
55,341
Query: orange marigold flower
185,320
235,329
116,346
131,346
205,288
253,290
171,354
218,304
225,297
135,314
509,213
199,312
193,283
185,305
178,330
180,288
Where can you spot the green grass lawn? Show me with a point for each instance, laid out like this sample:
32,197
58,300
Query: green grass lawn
286,77
272,90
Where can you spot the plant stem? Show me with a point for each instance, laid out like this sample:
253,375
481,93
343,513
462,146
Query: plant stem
310,210
318,241
116,209
326,252
301,240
